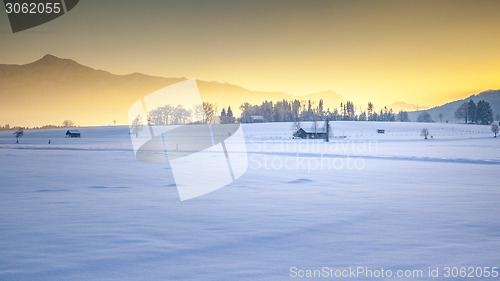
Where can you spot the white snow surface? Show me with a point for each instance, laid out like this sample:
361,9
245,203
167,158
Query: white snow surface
86,209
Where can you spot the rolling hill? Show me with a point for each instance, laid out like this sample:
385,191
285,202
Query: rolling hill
448,109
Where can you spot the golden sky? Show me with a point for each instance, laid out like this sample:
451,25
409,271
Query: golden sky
420,52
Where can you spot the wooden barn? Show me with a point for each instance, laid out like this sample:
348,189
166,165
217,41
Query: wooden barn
72,134
303,134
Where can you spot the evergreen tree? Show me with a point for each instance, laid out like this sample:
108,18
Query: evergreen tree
229,112
425,117
223,113
320,110
392,118
484,114
370,111
296,110
350,112
471,111
362,116
461,112
335,115
403,116
309,111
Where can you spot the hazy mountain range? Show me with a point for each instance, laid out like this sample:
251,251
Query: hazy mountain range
52,89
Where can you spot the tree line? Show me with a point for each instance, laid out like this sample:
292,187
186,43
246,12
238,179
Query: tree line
296,110
65,124
471,112
204,113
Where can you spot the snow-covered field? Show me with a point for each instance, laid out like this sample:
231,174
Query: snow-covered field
86,209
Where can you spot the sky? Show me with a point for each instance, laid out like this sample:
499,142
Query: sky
420,52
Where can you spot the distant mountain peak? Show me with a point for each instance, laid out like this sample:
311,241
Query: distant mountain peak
49,57
325,92
56,64
52,58
403,106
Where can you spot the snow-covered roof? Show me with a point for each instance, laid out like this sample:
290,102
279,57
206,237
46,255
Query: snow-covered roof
311,131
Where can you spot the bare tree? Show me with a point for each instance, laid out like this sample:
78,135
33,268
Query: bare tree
494,129
296,125
425,133
18,133
136,126
68,123
205,112
161,115
199,113
315,128
181,115
209,109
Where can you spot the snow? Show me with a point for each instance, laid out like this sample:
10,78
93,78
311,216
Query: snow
86,209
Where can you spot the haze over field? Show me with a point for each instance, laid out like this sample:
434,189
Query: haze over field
52,89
